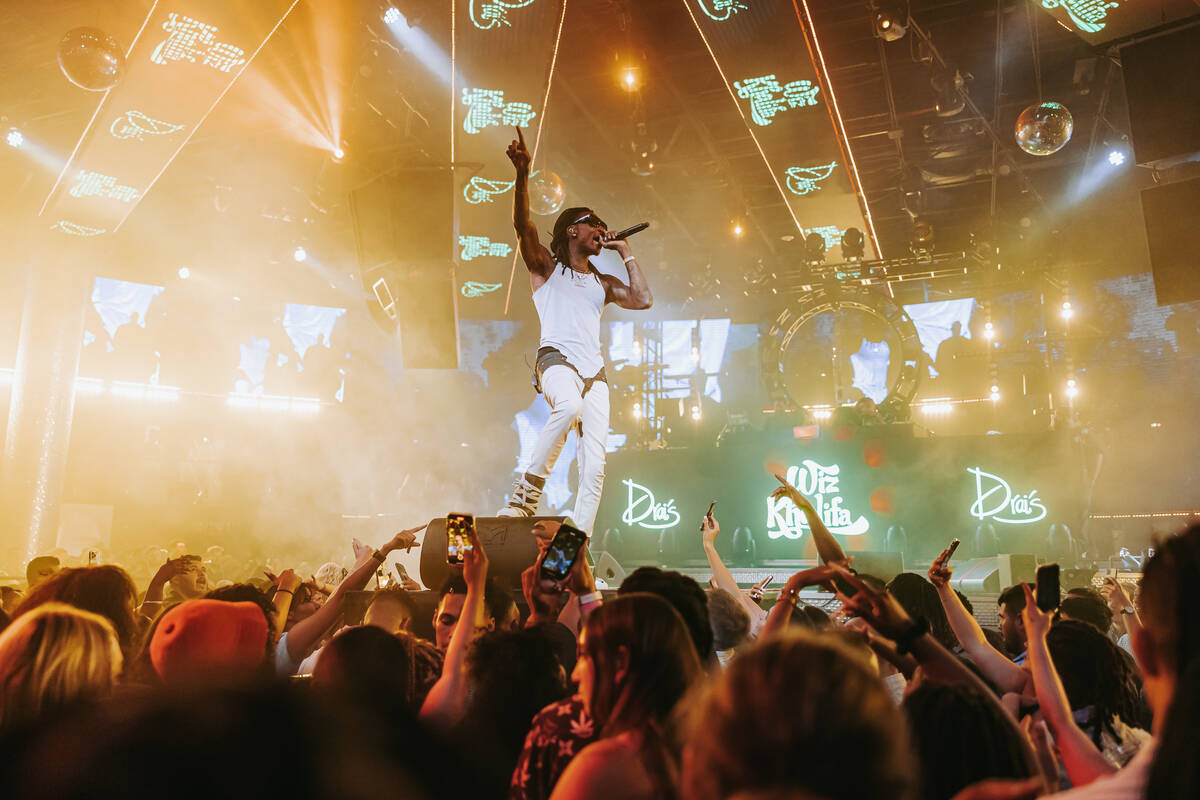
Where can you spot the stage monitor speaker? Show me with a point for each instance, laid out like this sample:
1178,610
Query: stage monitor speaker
509,543
404,234
1161,75
1170,212
993,574
608,570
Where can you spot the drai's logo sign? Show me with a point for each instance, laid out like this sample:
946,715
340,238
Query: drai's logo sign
642,509
994,498
819,484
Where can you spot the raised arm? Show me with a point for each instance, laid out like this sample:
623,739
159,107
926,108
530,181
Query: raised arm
1083,761
537,258
781,612
828,549
636,294
1007,676
445,701
722,577
305,634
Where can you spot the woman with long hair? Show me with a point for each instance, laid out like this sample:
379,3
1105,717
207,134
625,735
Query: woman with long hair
636,661
52,656
106,590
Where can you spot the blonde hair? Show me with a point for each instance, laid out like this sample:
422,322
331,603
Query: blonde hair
53,655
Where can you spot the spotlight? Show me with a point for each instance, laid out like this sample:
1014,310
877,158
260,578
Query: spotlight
737,230
1072,389
853,244
392,15
630,79
890,19
185,273
988,331
1067,311
15,138
637,410
299,253
995,389
995,396
696,413
921,242
338,154
1116,158
814,248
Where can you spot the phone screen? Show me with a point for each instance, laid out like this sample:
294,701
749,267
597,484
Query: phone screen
1047,587
563,552
458,539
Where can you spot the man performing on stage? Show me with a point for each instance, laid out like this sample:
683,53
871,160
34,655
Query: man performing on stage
570,294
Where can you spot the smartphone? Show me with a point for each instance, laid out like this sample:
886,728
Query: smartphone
459,528
954,543
711,506
758,590
1047,587
563,552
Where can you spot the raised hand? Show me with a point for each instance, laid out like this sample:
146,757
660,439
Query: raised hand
816,576
1037,622
709,528
939,571
791,493
475,562
1116,596
288,581
881,610
518,154
404,540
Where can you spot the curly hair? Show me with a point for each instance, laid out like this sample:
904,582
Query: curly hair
1095,672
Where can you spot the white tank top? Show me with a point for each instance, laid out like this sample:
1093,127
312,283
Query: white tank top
569,305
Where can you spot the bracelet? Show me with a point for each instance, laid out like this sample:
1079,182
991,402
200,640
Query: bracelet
378,555
909,636
628,259
590,599
289,591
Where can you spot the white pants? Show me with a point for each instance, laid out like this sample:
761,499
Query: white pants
563,389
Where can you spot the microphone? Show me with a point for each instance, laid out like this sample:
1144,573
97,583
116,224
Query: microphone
630,231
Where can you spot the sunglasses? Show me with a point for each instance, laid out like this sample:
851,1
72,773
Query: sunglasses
591,219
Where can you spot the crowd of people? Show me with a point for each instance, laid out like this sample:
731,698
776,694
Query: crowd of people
276,686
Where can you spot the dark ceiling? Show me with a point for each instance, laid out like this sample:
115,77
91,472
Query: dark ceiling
243,174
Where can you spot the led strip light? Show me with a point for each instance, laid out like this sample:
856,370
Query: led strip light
835,114
537,139
742,114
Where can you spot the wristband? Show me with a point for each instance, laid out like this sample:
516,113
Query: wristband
590,599
289,591
909,636
627,259
378,555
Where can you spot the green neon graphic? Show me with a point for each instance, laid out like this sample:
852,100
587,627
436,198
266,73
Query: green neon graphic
993,497
477,289
721,9
474,247
832,234
805,180
481,190
493,14
93,184
768,97
75,229
136,125
1087,15
821,484
486,107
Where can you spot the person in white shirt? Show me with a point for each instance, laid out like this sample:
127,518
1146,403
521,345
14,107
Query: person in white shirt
569,294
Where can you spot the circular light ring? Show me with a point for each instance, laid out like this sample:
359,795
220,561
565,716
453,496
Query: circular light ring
775,345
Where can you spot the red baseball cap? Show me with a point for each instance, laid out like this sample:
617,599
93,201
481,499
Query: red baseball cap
209,641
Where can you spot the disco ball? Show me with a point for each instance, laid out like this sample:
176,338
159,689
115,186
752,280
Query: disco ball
91,59
546,193
1044,128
